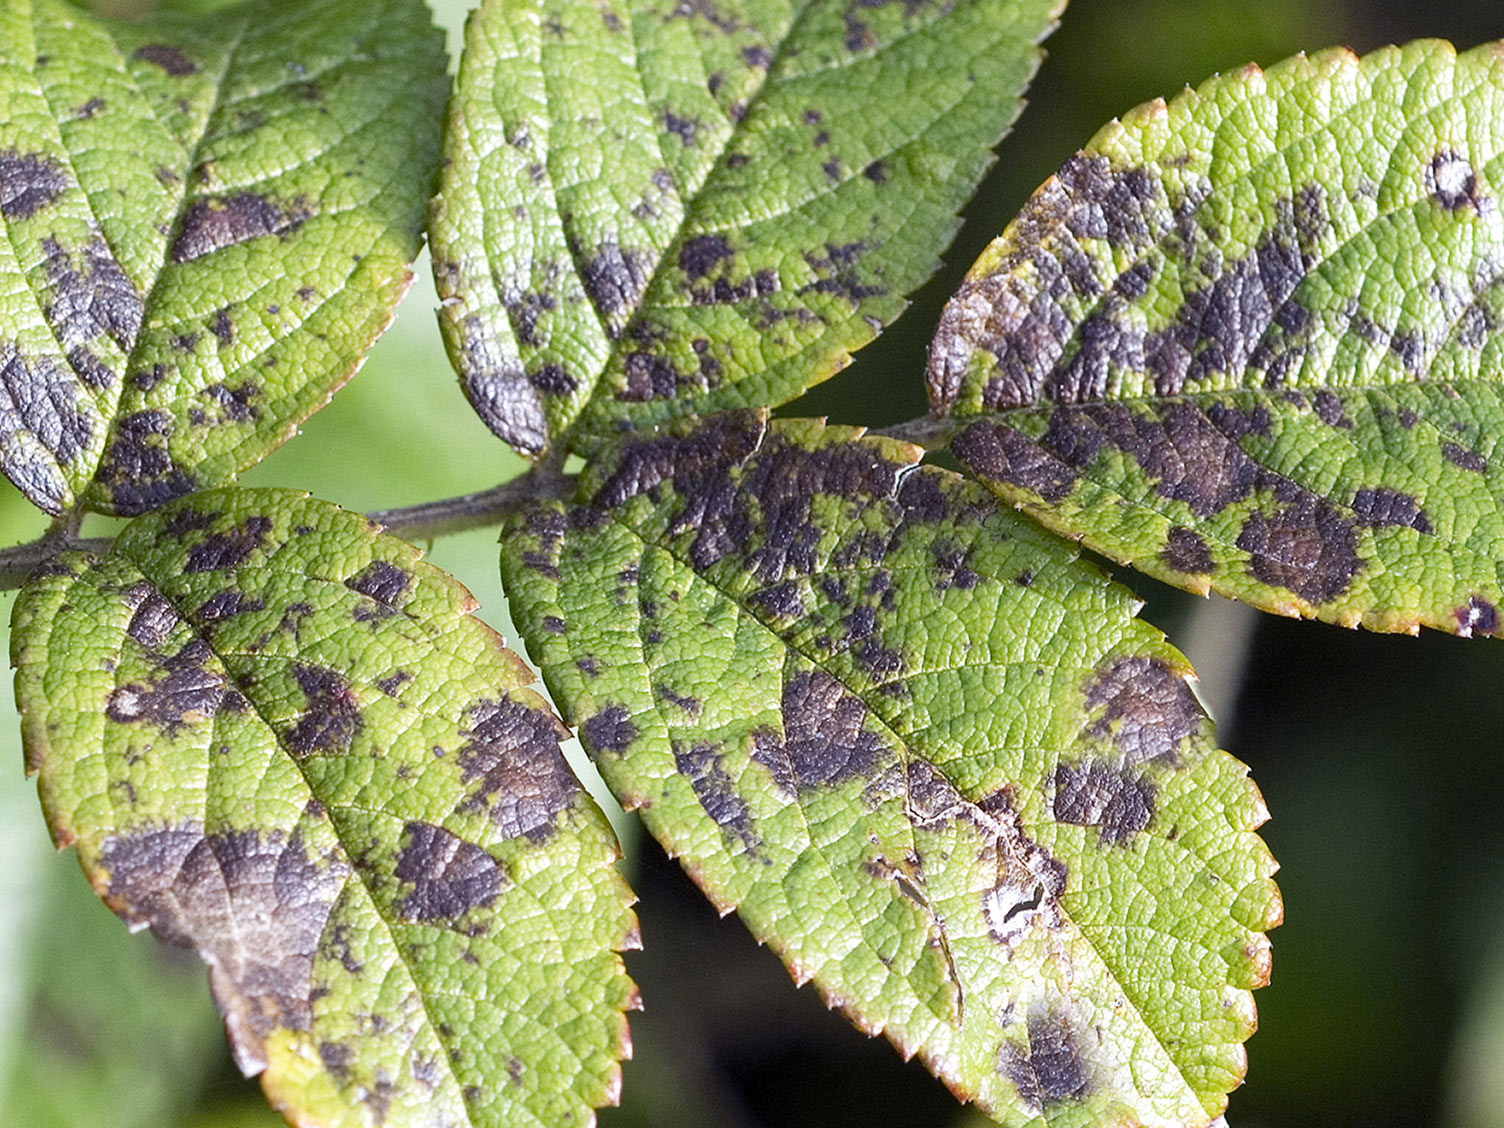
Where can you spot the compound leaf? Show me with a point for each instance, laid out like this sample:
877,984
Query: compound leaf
207,223
651,208
1249,340
929,756
278,736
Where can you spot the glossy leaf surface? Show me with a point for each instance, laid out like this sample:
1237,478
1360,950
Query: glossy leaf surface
1249,341
277,736
207,223
651,208
929,756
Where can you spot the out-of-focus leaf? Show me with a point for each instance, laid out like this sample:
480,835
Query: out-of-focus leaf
207,223
276,735
929,756
1249,341
652,208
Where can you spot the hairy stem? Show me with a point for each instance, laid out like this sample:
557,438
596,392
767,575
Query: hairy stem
425,521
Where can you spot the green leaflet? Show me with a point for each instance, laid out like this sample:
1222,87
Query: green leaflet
929,756
1248,341
207,223
652,208
277,736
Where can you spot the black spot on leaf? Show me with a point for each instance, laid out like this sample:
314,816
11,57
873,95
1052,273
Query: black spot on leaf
1330,411
1148,709
1383,506
154,617
1306,547
236,404
226,605
779,600
824,740
89,296
683,128
227,550
1463,458
649,377
1117,803
1186,551
449,876
702,766
331,717
553,379
28,183
610,730
703,254
212,224
39,396
998,453
382,581
254,905
512,754
185,690
169,58
1477,616
1051,1070
614,278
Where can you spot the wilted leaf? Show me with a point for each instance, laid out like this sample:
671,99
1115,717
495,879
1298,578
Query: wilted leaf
277,736
208,221
1249,340
652,208
929,756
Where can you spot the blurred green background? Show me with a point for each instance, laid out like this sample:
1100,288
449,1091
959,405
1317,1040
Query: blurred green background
1377,755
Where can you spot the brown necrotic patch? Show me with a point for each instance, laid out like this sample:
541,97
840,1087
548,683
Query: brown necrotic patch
1148,710
29,182
137,467
254,904
331,716
448,876
186,689
1118,803
825,741
1477,616
1306,547
512,756
217,222
703,765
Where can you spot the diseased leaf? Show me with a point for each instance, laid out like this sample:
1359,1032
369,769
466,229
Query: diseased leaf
652,208
207,223
929,756
1249,341
277,736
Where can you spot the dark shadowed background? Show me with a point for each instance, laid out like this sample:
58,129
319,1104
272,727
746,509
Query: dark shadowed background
1378,755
